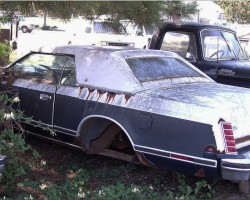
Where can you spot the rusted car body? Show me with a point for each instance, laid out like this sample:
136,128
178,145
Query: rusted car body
146,106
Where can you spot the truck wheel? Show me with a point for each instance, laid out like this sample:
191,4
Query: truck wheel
24,29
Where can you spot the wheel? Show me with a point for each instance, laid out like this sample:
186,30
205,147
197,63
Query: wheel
24,29
30,30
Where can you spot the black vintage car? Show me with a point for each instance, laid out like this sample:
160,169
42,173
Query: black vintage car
145,106
215,50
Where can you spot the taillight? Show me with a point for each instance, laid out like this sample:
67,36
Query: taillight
228,136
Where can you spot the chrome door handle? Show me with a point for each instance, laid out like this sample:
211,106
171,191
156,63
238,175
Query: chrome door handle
44,97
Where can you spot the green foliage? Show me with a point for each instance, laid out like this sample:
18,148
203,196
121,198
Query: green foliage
12,143
147,13
71,189
77,187
236,11
142,12
5,50
201,190
177,10
121,191
5,47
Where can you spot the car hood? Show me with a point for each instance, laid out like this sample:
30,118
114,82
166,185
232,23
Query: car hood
202,102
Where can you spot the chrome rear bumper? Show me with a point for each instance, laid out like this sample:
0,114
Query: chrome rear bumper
235,169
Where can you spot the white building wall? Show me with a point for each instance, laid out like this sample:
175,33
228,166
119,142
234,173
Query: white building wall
209,12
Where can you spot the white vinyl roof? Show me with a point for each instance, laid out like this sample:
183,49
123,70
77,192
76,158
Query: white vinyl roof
106,68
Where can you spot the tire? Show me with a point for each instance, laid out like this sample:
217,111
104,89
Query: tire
24,29
30,30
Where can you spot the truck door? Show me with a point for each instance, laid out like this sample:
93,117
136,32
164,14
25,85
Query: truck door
219,50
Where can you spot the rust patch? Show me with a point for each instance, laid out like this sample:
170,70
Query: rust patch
127,97
80,91
200,173
104,140
99,94
145,161
110,97
90,93
210,148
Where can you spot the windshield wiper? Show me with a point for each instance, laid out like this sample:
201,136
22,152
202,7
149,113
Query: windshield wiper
231,49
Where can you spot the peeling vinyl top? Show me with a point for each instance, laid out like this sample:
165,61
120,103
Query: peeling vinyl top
107,69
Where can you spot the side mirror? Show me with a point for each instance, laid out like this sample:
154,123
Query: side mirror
190,57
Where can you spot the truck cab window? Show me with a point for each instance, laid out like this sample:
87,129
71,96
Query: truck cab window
180,43
221,45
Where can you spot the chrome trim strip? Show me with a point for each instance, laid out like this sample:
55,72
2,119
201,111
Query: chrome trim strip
54,140
69,130
104,117
59,131
235,169
54,126
213,162
39,122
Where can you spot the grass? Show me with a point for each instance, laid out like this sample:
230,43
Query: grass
63,173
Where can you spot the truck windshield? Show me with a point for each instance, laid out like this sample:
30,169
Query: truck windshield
110,28
159,68
221,45
121,28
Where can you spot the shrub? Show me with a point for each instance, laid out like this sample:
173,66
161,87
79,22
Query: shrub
5,50
12,143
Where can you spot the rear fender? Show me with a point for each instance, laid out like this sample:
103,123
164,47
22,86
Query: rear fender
96,132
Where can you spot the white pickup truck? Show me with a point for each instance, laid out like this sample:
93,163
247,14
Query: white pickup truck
125,34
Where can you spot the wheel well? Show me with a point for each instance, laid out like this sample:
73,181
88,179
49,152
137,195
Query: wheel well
104,136
97,134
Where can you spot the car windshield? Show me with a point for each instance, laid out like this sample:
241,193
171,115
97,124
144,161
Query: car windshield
132,28
221,45
159,68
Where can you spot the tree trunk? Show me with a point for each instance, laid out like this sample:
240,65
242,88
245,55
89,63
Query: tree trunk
45,19
176,18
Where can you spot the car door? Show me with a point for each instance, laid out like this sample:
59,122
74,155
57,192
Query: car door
69,107
35,78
